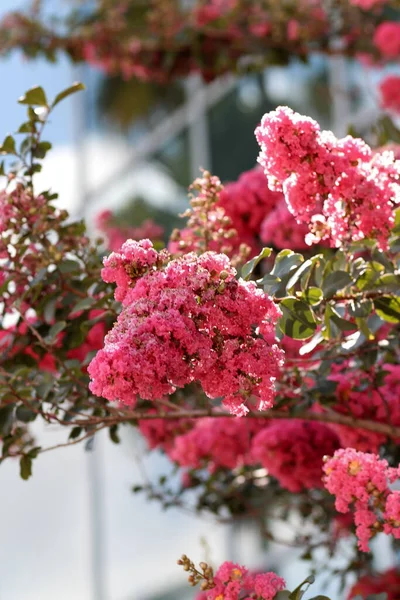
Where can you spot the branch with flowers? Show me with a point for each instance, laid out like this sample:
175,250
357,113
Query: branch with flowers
259,350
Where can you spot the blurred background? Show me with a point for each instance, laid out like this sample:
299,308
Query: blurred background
76,530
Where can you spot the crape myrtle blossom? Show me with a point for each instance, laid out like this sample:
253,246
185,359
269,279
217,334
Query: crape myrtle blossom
292,451
247,202
280,229
208,227
234,582
116,235
186,320
377,583
372,395
339,187
368,4
390,93
237,218
212,443
387,39
361,481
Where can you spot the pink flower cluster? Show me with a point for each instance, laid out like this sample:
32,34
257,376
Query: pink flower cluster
243,212
337,186
368,4
371,584
387,39
290,450
390,93
208,226
27,222
247,202
128,265
187,320
221,442
115,235
161,433
293,450
234,582
358,394
361,481
212,11
280,229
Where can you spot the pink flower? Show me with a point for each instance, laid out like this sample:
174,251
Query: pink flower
390,93
280,229
368,4
392,515
267,585
371,584
126,266
188,320
293,30
247,202
359,394
292,451
387,39
361,481
338,187
221,442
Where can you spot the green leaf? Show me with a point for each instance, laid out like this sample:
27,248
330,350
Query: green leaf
27,127
285,262
270,283
360,308
297,319
75,87
54,331
388,308
50,310
42,149
34,97
302,270
312,295
6,419
335,281
249,267
25,467
84,304
8,146
44,388
283,595
69,266
333,318
75,433
298,592
388,281
312,344
113,432
25,414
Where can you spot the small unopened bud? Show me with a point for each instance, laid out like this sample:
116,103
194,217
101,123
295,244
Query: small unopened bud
203,566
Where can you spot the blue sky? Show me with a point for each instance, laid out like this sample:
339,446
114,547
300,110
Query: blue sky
17,74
